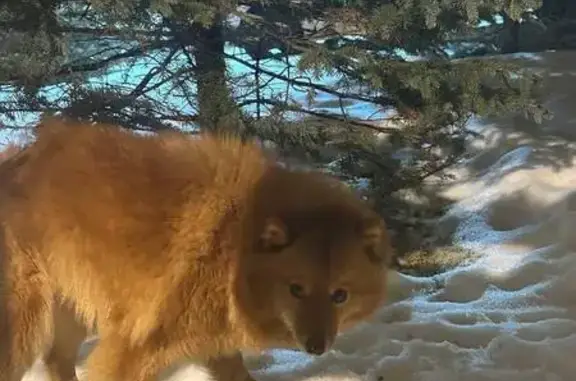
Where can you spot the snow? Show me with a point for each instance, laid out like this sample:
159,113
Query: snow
510,315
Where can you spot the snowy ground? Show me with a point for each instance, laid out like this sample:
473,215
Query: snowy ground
509,316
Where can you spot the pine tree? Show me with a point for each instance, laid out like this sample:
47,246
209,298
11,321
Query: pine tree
68,45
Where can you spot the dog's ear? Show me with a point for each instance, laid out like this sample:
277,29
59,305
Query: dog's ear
375,240
274,234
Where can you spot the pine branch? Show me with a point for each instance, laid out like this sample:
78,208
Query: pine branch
381,100
111,32
73,68
329,116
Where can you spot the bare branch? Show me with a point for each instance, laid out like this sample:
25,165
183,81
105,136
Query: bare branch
152,73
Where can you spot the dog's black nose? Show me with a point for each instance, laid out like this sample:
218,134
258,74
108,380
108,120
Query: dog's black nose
315,347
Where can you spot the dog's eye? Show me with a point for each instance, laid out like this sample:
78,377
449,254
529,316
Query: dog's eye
297,290
339,296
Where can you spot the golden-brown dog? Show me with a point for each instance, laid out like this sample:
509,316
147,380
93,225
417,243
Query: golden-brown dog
174,248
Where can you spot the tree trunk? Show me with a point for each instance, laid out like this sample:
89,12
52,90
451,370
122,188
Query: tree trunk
218,113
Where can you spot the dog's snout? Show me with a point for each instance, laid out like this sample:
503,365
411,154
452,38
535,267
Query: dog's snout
315,347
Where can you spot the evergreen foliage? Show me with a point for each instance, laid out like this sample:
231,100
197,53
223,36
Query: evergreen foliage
67,45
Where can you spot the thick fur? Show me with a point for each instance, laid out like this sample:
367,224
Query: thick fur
173,248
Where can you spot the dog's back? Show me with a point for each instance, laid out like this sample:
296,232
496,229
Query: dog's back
108,219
